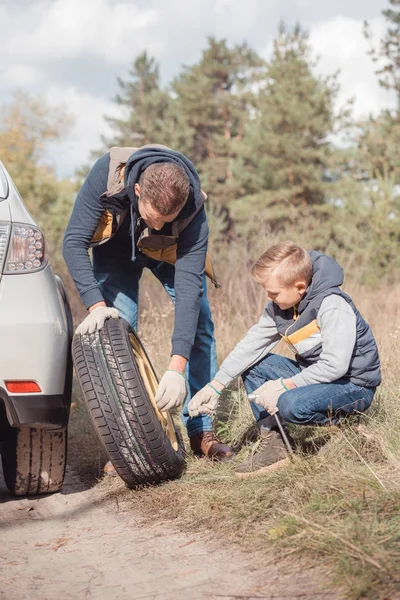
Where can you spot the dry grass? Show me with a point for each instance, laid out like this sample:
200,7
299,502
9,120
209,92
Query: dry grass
339,507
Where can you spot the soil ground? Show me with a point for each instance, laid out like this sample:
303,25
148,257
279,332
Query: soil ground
84,543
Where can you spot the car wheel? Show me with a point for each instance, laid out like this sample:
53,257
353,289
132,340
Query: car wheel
35,461
118,383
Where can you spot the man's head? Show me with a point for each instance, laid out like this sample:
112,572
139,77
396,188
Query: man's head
285,271
162,191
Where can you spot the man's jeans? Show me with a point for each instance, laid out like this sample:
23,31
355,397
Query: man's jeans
119,284
317,404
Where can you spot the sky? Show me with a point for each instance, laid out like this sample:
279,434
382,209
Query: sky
72,51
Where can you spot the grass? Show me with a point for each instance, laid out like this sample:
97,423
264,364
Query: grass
339,508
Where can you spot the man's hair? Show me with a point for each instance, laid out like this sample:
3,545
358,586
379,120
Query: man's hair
166,186
287,260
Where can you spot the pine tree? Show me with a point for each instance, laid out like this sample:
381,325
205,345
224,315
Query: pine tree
213,102
144,103
288,142
389,50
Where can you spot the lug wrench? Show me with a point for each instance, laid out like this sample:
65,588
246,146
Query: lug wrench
253,398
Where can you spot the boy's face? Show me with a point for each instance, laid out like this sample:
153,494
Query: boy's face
284,296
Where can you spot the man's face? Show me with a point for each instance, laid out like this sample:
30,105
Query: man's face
284,296
151,216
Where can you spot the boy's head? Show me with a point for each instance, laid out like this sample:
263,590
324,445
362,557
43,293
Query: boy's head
163,190
285,271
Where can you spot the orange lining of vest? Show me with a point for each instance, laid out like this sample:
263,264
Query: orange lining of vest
302,334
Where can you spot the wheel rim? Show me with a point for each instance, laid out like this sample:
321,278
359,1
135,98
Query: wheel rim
150,382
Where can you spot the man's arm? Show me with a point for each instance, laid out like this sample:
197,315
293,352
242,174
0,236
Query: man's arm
83,222
189,273
337,322
256,344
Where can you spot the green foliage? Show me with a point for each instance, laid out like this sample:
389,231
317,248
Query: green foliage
144,103
27,127
288,140
389,50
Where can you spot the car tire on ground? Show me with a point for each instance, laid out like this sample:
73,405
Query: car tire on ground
118,384
35,461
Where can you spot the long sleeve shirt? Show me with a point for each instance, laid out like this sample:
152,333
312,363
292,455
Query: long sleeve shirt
337,323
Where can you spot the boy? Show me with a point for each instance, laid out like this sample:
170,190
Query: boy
336,368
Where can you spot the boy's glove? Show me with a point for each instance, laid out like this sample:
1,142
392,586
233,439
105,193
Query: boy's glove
205,401
171,390
95,319
268,394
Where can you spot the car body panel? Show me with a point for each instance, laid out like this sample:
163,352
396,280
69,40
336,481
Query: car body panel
35,332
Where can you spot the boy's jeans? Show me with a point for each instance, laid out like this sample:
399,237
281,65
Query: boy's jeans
119,284
318,404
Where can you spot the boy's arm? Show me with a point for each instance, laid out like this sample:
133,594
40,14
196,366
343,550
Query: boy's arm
256,344
337,322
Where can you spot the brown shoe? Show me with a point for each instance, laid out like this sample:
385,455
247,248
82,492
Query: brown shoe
109,469
270,455
207,444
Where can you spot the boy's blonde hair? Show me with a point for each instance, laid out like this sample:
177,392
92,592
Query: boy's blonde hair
287,260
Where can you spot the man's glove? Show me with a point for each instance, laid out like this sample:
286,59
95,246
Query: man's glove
268,394
205,401
171,390
95,319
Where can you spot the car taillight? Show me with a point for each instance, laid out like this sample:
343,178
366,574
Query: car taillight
4,235
26,252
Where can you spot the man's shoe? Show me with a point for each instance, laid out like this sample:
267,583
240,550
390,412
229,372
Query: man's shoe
109,469
271,455
207,444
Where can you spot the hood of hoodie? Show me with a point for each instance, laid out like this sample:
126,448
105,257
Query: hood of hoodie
327,275
144,157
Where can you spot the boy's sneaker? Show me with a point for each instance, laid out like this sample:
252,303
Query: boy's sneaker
271,455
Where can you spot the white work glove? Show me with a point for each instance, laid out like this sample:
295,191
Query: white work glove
95,319
267,395
205,401
171,390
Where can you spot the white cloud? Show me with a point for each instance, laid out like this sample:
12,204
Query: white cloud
340,43
88,112
67,30
21,75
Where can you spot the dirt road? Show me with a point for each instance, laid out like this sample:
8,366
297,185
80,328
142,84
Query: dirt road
82,544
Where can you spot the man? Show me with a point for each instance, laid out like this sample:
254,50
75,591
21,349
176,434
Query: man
144,208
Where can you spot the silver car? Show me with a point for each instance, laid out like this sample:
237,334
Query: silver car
35,362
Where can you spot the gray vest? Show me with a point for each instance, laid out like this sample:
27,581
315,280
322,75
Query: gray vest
364,369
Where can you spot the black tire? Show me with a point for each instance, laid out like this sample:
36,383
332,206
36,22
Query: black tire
35,460
120,406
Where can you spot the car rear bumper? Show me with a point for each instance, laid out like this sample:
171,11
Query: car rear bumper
36,410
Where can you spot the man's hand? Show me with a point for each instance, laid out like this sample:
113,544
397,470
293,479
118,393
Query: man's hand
268,394
171,390
95,319
206,400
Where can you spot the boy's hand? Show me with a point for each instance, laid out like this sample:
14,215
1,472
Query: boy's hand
206,400
268,394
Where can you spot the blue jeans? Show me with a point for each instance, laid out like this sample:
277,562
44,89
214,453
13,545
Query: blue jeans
317,404
118,278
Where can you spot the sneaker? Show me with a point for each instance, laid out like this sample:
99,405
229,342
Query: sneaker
271,454
207,444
